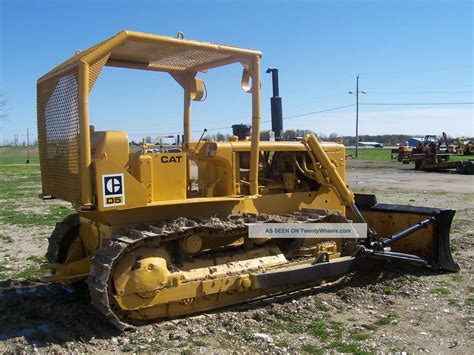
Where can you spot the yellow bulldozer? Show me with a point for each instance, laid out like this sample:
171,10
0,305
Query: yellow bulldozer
465,147
161,233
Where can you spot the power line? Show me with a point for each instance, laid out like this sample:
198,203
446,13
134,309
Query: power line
414,103
422,92
423,70
322,111
327,110
388,92
211,129
315,100
289,117
151,134
264,121
316,112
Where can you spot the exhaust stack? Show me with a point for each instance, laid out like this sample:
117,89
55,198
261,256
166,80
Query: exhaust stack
275,102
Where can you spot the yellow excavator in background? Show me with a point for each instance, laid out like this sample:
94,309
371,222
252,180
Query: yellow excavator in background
166,233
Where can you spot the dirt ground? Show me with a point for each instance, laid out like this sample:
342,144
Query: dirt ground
382,176
392,308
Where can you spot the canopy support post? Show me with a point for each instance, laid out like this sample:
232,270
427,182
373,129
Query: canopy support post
254,150
84,136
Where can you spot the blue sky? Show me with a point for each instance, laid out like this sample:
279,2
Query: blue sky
404,51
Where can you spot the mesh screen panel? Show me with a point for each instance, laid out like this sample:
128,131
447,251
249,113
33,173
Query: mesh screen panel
187,59
58,131
95,70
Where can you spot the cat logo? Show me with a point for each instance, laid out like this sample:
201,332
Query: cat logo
171,159
113,190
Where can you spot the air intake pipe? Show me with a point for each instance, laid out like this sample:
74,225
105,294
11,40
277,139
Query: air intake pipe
275,102
242,131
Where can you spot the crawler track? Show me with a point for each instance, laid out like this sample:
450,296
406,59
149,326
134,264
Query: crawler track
61,238
103,262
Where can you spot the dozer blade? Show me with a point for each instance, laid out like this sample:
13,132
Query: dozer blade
429,241
419,235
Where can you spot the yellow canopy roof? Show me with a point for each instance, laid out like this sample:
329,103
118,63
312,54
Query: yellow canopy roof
159,53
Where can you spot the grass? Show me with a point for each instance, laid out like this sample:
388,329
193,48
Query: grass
409,278
18,155
320,305
386,320
336,328
32,272
20,185
371,153
453,302
19,181
322,331
37,259
442,291
311,349
460,157
332,334
388,288
369,326
6,238
9,190
31,171
155,346
54,214
3,271
319,329
394,350
283,343
199,343
384,154
338,345
244,334
359,336
344,347
288,323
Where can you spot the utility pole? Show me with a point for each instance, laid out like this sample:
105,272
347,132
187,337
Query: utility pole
357,92
28,144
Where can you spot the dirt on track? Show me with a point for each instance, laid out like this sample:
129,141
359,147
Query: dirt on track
391,308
